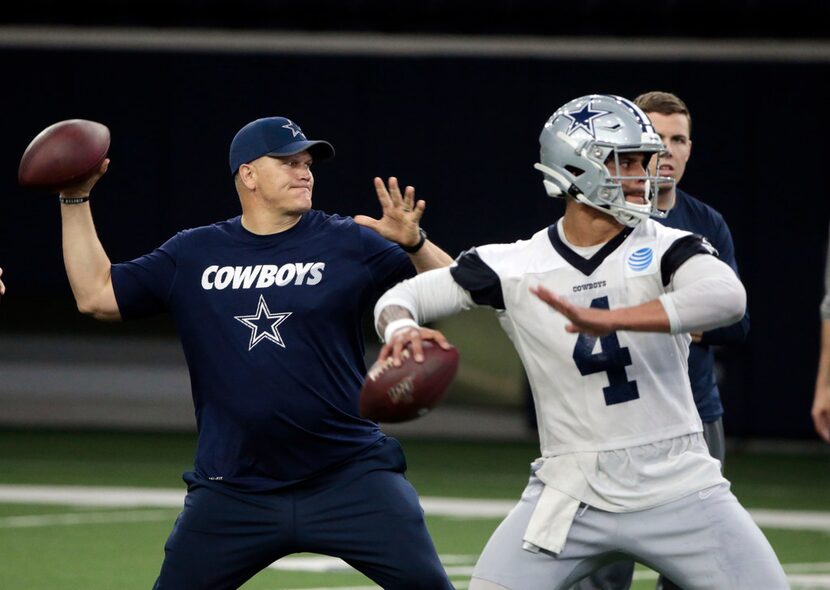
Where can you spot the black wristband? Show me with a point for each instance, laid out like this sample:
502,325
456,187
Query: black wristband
414,248
72,200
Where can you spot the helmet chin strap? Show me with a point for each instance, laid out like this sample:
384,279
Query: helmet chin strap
635,213
550,188
629,218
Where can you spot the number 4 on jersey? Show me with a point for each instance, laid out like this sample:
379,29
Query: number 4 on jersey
613,359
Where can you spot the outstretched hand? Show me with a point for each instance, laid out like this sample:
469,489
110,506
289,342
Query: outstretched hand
587,320
401,213
82,189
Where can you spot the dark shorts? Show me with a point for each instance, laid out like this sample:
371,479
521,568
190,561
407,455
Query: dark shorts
365,512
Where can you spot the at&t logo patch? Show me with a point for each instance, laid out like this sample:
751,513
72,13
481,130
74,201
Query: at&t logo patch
640,259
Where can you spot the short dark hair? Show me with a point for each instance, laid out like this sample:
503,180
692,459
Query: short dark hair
664,103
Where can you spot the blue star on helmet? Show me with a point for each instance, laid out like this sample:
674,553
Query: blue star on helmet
263,324
584,119
293,128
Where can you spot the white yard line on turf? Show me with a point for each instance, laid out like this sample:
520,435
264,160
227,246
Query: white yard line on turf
433,506
319,564
802,582
466,507
791,519
76,518
91,496
808,568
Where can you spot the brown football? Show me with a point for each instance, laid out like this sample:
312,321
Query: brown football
398,394
64,154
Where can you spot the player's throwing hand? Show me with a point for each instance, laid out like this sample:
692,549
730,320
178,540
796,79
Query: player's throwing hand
83,189
416,336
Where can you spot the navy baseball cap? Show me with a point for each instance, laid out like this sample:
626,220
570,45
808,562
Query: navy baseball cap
274,136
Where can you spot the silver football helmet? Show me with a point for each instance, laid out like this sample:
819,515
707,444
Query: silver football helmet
581,136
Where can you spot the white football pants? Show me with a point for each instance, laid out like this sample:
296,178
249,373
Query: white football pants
701,542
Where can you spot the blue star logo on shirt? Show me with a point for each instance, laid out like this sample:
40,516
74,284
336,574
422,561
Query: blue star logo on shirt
584,119
263,324
293,128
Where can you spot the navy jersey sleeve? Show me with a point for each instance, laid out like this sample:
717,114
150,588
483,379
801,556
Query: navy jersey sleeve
737,332
388,265
722,240
142,286
474,275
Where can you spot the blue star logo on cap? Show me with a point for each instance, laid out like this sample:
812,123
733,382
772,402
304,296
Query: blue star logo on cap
293,128
584,119
263,324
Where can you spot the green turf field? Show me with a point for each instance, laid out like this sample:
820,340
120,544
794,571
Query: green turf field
48,546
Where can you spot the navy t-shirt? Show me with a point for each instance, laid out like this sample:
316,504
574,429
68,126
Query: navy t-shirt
693,215
271,330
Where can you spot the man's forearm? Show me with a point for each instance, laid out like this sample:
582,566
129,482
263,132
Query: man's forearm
647,317
425,298
705,294
390,314
87,265
430,257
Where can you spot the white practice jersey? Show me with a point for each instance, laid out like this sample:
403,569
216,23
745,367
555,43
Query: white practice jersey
592,394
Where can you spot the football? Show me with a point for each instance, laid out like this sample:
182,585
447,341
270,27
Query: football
64,154
398,394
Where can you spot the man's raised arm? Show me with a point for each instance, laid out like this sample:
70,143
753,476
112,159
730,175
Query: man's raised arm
87,265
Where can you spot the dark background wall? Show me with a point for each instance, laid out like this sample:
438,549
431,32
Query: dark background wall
464,131
795,19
